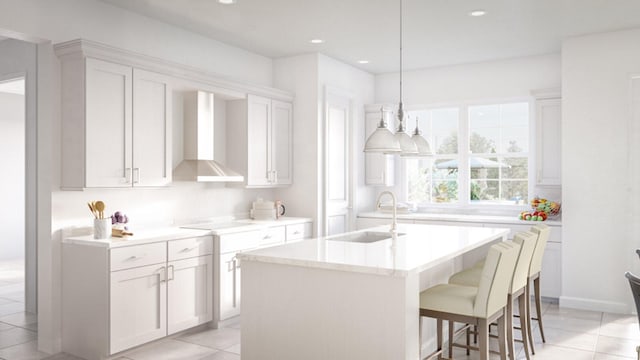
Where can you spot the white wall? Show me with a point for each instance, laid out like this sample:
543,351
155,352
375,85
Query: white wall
299,75
12,185
307,76
597,164
471,82
64,20
361,85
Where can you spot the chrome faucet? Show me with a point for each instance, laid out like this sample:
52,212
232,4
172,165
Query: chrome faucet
394,203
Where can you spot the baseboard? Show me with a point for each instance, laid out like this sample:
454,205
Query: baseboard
594,305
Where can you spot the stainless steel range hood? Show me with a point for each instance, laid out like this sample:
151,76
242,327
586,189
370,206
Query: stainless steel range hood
199,163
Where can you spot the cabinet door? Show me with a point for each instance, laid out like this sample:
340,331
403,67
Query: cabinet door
551,276
258,135
229,286
548,141
108,124
281,137
138,307
151,129
189,293
379,168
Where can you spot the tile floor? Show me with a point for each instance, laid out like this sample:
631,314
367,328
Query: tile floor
571,334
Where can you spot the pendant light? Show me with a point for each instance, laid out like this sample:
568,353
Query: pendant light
381,142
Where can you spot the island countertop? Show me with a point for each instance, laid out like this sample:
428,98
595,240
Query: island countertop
418,248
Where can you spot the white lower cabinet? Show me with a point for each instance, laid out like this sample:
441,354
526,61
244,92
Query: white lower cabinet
115,299
138,306
189,293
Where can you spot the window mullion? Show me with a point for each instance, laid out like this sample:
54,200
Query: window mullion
463,153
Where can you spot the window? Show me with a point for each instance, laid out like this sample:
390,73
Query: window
479,150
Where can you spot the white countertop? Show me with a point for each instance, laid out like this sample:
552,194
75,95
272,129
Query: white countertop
494,219
173,233
423,247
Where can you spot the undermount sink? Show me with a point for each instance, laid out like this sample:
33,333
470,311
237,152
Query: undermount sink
363,237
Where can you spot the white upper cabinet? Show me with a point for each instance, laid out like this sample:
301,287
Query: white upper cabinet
548,137
379,168
260,143
116,125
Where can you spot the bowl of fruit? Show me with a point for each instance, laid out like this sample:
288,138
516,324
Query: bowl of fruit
551,208
542,209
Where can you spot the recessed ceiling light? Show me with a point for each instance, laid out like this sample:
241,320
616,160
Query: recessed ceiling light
227,2
316,41
363,61
477,13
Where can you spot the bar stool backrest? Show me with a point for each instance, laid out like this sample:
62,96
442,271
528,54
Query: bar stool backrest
543,235
634,281
527,241
497,274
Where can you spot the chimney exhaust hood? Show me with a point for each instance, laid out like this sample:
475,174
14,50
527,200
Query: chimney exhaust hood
198,164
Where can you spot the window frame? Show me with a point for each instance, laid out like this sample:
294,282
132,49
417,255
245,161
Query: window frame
464,181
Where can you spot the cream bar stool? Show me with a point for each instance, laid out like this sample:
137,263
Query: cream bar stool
542,231
471,277
479,305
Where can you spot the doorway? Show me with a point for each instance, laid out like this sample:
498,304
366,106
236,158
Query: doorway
13,308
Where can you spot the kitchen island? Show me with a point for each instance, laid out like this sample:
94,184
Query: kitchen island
350,296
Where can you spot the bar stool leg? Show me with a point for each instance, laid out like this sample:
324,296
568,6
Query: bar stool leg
509,324
420,337
468,332
522,307
527,290
501,336
536,286
483,339
439,338
451,326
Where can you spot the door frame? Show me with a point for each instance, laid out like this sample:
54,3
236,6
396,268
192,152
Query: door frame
329,92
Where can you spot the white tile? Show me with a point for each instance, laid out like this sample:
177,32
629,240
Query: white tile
25,351
169,350
214,338
234,349
221,355
554,352
6,301
4,326
21,319
11,308
616,346
63,356
566,313
600,356
16,336
567,322
570,339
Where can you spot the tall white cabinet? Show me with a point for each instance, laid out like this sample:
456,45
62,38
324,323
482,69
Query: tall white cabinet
379,168
116,124
261,145
548,107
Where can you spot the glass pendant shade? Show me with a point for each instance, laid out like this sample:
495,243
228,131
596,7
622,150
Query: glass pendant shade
382,141
407,145
422,144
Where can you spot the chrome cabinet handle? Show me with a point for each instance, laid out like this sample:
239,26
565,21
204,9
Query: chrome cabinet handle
187,249
172,273
136,257
234,282
162,271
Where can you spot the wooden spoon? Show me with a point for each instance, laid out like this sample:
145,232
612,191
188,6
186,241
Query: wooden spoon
99,205
93,210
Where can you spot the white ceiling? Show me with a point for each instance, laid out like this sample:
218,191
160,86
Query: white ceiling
436,32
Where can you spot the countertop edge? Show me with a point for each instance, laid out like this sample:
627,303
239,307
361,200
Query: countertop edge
498,219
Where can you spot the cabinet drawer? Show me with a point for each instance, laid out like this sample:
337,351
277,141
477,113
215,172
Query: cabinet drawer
298,231
273,236
239,241
140,255
188,248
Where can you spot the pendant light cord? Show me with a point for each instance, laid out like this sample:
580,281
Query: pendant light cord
401,51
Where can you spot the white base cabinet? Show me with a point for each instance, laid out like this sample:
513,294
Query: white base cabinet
115,299
228,269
